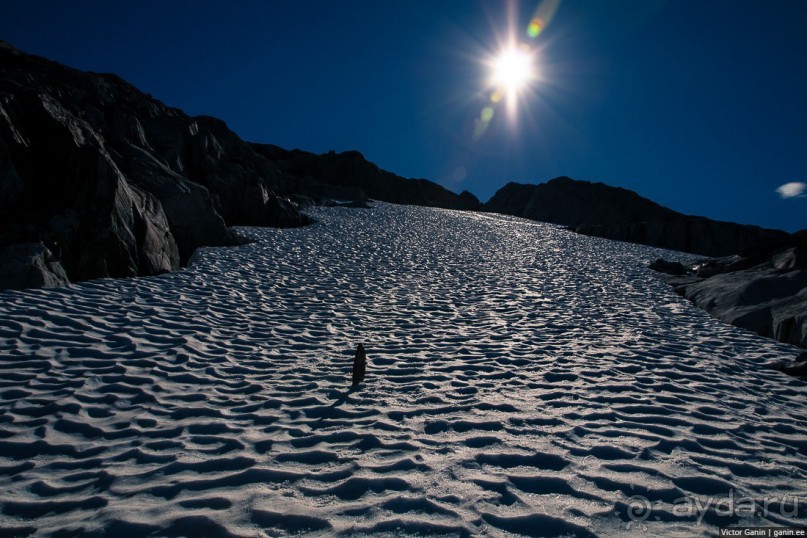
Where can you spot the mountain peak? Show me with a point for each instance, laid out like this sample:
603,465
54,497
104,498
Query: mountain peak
618,213
566,179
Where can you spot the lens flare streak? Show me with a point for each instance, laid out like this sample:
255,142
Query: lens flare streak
514,69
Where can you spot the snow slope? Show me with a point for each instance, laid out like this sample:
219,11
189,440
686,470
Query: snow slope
521,379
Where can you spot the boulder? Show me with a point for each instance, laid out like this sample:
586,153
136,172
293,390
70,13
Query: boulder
764,295
670,268
356,204
796,367
30,265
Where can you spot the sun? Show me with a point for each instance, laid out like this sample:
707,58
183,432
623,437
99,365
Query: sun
511,74
512,70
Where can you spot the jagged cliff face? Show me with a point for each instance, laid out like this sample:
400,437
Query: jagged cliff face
113,182
98,179
615,213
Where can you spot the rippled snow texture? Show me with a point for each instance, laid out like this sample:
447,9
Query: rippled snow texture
521,379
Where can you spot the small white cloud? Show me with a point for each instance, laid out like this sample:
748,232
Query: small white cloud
792,189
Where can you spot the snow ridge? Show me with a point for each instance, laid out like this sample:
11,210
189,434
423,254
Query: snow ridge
521,379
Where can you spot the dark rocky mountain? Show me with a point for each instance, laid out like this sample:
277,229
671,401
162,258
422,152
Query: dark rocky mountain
763,289
615,213
350,176
98,179
115,183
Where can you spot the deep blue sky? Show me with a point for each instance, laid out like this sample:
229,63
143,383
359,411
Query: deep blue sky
698,105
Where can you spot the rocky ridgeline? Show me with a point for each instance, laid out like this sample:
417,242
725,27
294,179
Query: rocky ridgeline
615,213
349,176
98,179
763,289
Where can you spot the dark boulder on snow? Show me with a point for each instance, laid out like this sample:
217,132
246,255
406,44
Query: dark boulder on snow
796,367
614,213
670,268
764,291
30,265
355,204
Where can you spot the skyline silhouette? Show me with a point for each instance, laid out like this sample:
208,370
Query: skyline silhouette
697,108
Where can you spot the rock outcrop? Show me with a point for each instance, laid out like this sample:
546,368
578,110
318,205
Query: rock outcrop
763,289
30,265
114,183
794,367
615,213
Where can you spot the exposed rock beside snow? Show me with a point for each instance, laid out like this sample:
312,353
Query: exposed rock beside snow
115,183
764,289
30,265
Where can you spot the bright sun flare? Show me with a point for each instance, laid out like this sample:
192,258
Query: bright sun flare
512,70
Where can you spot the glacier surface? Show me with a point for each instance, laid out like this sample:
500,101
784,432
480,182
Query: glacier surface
521,379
